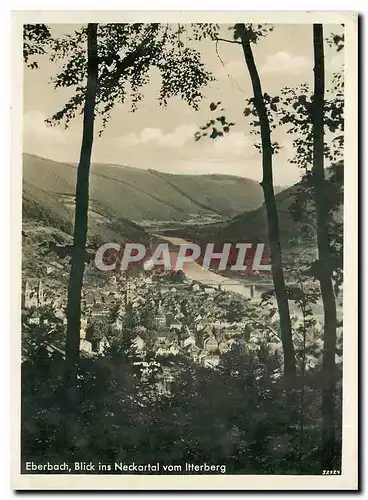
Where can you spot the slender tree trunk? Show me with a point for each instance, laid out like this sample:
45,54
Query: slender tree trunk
272,215
81,219
324,268
302,383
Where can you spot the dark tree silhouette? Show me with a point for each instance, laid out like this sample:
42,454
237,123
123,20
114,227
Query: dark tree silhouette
116,66
271,209
318,203
244,35
36,41
73,311
324,267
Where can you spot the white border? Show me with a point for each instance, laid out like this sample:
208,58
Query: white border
348,479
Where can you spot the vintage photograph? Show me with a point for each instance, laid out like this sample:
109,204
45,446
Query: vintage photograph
182,233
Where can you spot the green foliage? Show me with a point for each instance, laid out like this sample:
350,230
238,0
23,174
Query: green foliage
336,40
97,330
295,112
37,337
271,105
238,415
36,41
217,126
253,31
126,54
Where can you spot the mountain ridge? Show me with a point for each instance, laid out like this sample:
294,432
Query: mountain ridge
147,194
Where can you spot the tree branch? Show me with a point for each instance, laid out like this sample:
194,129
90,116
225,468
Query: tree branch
224,65
130,59
228,41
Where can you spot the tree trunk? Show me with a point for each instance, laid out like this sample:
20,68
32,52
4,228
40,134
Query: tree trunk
81,219
272,215
324,267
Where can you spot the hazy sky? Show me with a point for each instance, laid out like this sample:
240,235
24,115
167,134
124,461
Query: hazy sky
162,138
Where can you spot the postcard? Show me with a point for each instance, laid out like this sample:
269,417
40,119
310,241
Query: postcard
184,250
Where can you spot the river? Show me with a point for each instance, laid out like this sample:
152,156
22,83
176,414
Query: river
196,272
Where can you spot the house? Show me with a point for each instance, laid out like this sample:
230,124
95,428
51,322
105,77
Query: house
89,300
174,349
211,361
82,333
83,327
200,356
113,281
189,341
110,299
33,297
100,311
210,344
56,264
161,340
60,314
224,346
275,347
231,342
98,299
192,351
220,324
34,318
117,326
163,350
138,343
200,324
173,323
99,345
160,318
85,346
253,343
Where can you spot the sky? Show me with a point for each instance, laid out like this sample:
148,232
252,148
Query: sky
162,138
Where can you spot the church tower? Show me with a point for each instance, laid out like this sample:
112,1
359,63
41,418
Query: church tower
128,295
40,294
27,296
128,304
